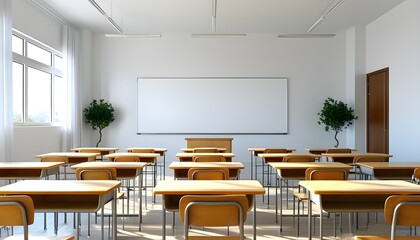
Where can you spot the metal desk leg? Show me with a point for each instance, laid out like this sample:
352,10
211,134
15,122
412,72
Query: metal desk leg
163,219
255,219
140,199
309,216
114,216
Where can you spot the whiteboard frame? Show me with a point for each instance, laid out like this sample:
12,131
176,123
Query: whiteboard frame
215,133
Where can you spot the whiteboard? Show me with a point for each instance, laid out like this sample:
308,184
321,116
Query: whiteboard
212,106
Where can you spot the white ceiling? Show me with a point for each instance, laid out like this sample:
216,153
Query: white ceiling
232,16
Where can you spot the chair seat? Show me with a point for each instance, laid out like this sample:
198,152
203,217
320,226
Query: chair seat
301,196
20,237
385,237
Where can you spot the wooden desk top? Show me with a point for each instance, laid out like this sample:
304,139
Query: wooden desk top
141,155
350,155
261,150
158,150
322,150
371,187
188,165
304,165
108,149
183,187
60,187
69,154
190,150
390,165
204,154
29,165
117,165
277,155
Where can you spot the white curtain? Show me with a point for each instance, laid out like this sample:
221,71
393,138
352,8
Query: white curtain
6,82
72,130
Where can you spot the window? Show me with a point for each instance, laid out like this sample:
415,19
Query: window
39,89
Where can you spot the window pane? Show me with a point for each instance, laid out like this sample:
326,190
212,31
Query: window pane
58,62
17,92
39,96
60,100
17,45
39,54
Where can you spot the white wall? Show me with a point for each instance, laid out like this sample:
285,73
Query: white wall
31,20
31,141
393,41
315,69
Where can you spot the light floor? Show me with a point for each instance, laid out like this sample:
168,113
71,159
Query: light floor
152,224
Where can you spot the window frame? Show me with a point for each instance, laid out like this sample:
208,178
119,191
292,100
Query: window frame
31,63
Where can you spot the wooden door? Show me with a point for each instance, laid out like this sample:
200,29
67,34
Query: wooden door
377,111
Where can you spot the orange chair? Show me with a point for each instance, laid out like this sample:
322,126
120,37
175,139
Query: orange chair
208,174
205,150
18,210
318,174
98,174
213,211
208,158
399,210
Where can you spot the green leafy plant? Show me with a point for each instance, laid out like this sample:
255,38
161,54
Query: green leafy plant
336,116
99,115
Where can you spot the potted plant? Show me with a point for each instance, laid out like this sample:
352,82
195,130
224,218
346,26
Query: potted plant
99,115
336,116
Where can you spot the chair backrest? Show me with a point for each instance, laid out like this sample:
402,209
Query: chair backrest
96,174
338,150
89,151
275,150
208,158
54,159
370,158
326,174
17,210
127,159
299,158
346,160
416,176
205,150
208,174
213,211
143,150
402,210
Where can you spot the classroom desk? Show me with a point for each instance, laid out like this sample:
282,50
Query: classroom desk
186,187
191,150
68,196
346,156
187,157
149,158
125,170
103,150
254,153
389,170
162,153
353,196
72,157
181,168
296,171
28,170
144,157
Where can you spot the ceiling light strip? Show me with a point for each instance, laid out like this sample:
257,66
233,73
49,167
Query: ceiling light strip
213,19
218,35
133,35
304,35
110,20
326,12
